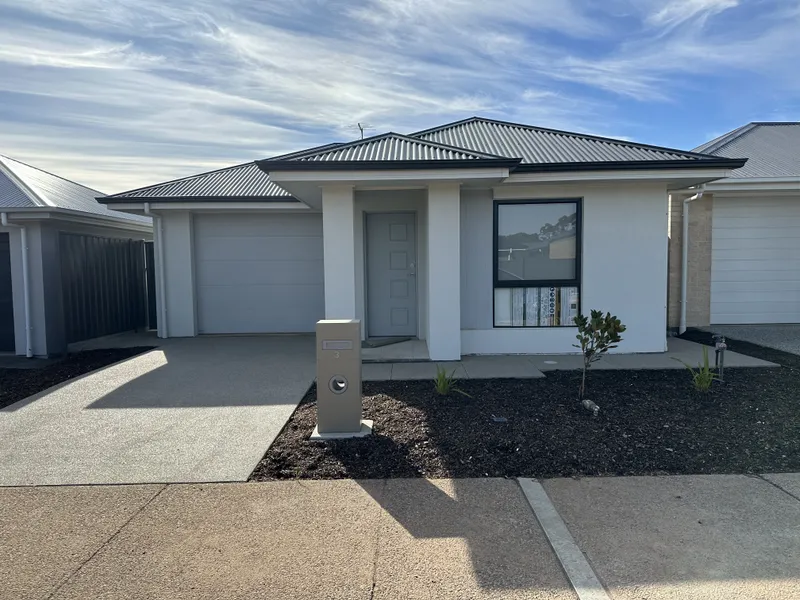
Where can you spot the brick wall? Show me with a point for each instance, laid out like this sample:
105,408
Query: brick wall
698,296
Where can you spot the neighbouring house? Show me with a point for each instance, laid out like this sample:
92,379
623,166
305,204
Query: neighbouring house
742,251
479,237
70,268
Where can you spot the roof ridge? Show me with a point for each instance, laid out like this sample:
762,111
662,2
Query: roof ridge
573,134
21,185
5,156
382,136
718,143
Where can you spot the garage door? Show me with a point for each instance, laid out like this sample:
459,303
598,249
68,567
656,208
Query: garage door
755,266
259,273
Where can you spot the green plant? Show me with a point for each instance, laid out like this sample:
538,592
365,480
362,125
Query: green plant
596,335
702,377
445,384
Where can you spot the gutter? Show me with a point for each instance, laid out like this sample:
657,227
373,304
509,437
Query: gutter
26,285
685,257
158,240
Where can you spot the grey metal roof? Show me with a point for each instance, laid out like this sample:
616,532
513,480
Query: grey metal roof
773,148
536,145
392,147
51,191
11,195
240,181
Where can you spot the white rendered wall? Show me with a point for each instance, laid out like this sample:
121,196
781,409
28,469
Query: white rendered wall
178,259
383,201
338,230
444,272
624,267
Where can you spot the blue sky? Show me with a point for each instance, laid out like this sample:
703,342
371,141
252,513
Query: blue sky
123,93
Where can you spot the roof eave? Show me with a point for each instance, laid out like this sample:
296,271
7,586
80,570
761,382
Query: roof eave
142,199
385,165
727,163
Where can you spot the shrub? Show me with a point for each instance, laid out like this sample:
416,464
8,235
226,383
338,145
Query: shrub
445,384
703,377
596,335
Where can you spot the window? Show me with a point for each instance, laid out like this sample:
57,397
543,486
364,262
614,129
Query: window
537,263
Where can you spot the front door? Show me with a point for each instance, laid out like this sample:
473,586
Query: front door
391,274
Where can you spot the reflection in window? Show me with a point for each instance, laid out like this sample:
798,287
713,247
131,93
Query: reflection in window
537,280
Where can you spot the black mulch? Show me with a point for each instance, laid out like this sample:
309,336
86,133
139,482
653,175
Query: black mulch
651,422
16,384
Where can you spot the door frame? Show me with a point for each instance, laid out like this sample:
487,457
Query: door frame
365,267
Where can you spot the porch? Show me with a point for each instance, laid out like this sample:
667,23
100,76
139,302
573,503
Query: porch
405,361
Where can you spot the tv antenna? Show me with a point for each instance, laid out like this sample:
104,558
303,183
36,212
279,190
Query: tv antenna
362,127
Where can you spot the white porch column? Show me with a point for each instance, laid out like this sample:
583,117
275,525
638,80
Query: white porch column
444,271
177,253
338,231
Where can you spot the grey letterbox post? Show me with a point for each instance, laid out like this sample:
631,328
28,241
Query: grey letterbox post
339,381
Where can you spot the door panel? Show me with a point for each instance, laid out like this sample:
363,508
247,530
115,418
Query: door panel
391,274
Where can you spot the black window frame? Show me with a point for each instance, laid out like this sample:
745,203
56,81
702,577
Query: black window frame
538,283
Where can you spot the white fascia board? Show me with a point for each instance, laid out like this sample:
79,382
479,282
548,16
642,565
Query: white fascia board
355,177
138,207
671,175
75,216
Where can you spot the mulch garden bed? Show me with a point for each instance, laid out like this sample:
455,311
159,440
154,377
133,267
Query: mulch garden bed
16,384
651,422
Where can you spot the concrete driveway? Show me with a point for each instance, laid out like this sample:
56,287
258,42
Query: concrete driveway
780,337
193,410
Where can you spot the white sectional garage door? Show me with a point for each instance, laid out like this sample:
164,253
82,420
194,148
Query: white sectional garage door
258,273
755,266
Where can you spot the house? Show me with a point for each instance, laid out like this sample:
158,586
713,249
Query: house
479,237
70,268
742,251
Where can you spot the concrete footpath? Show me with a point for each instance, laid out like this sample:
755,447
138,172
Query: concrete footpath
664,537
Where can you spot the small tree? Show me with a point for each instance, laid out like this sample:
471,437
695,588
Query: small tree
597,335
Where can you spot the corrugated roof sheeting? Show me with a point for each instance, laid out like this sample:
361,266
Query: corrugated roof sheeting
773,149
57,192
11,196
392,147
240,181
535,145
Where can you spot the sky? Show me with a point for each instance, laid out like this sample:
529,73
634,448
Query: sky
118,94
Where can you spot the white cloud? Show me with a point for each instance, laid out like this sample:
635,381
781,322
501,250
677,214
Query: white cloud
131,92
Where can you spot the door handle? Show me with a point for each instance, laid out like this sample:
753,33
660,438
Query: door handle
412,270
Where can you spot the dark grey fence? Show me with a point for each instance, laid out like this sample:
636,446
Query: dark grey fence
103,284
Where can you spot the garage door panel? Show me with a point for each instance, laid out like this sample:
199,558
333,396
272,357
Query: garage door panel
259,273
770,255
253,225
236,249
765,287
268,272
262,309
755,260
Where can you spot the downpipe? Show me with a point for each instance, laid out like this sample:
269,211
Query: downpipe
26,285
685,258
158,229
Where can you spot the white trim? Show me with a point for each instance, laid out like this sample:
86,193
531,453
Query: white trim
616,176
389,175
42,213
26,286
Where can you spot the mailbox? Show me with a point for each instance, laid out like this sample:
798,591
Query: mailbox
339,381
